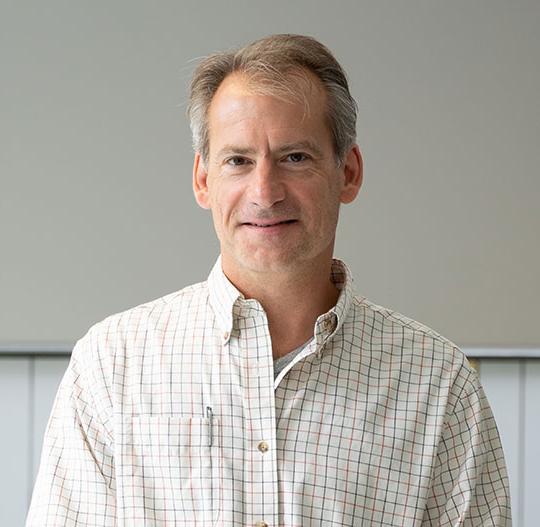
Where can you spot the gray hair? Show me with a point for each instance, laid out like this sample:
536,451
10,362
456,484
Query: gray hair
274,66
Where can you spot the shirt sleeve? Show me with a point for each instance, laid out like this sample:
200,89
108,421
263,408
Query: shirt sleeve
75,484
469,480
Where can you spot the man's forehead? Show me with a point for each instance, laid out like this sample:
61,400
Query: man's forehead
298,86
293,108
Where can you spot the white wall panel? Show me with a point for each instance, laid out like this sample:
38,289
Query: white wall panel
15,416
531,438
28,386
501,380
47,375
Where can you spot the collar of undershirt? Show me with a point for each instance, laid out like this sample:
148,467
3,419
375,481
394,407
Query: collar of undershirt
228,303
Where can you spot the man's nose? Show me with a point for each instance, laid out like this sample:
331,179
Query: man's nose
266,187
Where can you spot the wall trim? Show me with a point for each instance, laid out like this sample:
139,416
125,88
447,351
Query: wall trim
64,348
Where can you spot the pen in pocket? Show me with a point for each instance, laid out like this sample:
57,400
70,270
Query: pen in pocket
210,416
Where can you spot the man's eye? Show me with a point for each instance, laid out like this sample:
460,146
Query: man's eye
236,161
296,157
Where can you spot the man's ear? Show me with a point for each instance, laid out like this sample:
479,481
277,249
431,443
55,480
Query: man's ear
353,170
200,182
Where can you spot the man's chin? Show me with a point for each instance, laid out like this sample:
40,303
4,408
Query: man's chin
269,261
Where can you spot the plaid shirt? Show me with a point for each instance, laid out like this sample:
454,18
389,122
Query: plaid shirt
169,414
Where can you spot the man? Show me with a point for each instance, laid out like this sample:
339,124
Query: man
270,394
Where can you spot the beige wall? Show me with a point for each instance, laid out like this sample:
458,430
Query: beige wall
96,212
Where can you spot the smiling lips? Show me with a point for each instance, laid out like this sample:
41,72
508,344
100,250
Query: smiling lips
266,223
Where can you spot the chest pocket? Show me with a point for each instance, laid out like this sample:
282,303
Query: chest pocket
174,476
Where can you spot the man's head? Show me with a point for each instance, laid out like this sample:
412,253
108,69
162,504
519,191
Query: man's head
274,159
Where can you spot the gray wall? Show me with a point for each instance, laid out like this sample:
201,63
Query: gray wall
96,210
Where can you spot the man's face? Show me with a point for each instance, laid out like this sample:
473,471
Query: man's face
271,180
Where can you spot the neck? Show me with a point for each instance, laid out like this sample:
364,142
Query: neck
292,300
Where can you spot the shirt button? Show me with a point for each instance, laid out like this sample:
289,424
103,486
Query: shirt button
263,447
328,324
225,336
261,524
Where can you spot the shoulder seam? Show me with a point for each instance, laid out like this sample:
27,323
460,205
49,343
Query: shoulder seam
406,322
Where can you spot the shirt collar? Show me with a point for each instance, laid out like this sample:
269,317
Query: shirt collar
224,295
342,279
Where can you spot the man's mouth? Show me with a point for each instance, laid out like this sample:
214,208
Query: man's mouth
266,224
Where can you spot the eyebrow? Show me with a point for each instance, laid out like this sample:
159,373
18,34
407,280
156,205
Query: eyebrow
232,149
287,147
301,145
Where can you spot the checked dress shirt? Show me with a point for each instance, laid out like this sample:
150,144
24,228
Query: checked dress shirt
170,414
